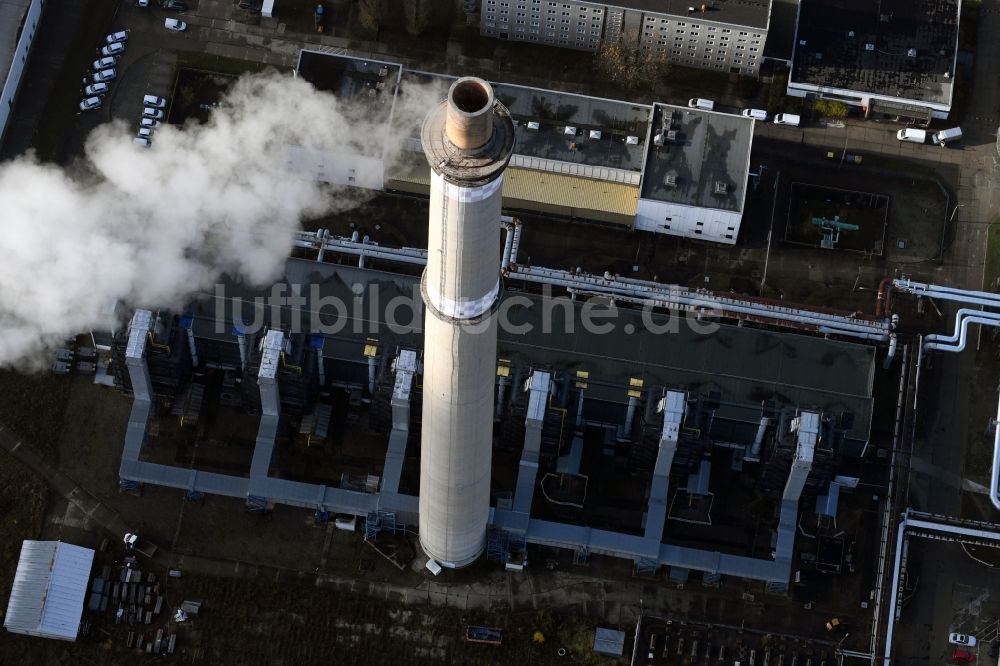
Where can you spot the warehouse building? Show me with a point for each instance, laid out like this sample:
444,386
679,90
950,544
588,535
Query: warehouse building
49,589
720,35
893,59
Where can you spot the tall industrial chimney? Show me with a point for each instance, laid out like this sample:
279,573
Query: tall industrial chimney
468,140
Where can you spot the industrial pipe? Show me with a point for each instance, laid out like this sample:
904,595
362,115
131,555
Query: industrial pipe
949,344
995,476
959,317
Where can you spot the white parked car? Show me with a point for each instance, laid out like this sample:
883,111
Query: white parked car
104,63
144,3
120,36
113,49
145,132
142,141
90,104
149,122
104,75
154,101
962,639
155,114
96,89
175,25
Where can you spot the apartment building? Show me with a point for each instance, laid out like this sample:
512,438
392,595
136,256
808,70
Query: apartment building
723,35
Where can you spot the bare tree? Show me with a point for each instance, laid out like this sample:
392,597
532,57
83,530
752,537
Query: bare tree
420,14
630,64
371,13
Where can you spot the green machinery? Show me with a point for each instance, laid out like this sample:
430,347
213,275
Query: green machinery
831,230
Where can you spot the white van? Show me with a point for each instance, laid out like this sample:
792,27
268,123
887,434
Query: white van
946,136
787,119
912,135
756,114
699,103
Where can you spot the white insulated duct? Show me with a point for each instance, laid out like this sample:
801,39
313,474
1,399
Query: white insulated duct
806,426
267,374
135,352
468,140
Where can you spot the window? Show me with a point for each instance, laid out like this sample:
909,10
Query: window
743,34
680,32
726,31
565,13
711,29
754,49
595,33
534,23
675,52
520,21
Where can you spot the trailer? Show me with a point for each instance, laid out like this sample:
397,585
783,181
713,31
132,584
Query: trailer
488,635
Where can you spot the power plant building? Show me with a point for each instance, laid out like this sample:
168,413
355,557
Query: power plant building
575,156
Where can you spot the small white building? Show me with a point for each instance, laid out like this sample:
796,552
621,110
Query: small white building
695,180
49,590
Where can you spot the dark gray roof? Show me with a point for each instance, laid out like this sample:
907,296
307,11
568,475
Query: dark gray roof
833,58
709,148
744,365
752,13
351,78
11,15
554,111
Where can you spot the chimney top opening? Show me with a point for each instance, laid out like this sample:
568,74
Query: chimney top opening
471,95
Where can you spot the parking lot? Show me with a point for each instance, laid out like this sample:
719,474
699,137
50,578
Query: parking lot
946,591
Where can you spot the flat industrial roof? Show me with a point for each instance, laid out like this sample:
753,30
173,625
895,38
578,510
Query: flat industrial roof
556,111
11,15
895,48
745,365
752,13
371,82
709,149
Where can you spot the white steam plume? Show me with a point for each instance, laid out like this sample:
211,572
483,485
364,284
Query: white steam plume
149,227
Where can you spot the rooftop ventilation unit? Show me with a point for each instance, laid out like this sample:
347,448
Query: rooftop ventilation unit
869,46
850,33
569,131
659,139
802,42
670,180
532,125
595,134
632,140
912,53
720,187
671,135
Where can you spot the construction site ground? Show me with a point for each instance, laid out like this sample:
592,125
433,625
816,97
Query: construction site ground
306,588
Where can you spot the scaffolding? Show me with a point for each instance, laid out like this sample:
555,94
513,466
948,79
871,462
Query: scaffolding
496,545
256,504
646,567
377,522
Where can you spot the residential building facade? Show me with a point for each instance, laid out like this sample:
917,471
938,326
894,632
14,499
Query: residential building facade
718,35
